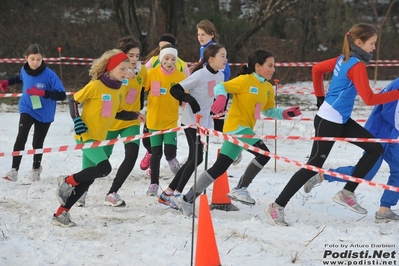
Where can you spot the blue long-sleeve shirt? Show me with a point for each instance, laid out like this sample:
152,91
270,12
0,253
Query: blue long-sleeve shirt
48,81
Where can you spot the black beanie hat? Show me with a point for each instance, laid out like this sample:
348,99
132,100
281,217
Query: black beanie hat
168,38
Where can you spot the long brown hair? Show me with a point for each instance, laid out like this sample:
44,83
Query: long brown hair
362,31
210,51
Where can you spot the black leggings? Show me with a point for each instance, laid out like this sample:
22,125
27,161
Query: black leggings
146,141
223,162
321,149
126,167
183,175
170,153
85,178
39,134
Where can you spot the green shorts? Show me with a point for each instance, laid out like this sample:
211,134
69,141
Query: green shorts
123,133
232,150
92,156
166,138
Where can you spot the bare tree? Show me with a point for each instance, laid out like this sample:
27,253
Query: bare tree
264,10
146,20
380,35
128,19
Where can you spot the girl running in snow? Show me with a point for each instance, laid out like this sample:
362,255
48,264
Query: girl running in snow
333,118
162,113
102,100
133,98
383,123
197,91
153,61
40,90
252,95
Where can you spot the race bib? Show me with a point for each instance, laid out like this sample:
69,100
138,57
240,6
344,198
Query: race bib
257,110
106,109
211,84
131,96
36,103
155,88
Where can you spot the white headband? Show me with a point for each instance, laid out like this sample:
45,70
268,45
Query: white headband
168,50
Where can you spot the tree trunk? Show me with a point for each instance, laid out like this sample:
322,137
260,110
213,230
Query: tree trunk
265,11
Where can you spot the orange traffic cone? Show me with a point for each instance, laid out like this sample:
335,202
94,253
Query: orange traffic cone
220,201
207,253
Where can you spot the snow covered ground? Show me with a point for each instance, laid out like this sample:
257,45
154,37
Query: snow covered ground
147,233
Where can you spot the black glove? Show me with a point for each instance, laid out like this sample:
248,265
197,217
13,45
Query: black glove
80,127
320,101
194,106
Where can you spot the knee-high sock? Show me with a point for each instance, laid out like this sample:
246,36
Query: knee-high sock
251,171
203,181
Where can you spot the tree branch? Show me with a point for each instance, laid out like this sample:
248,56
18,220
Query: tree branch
266,10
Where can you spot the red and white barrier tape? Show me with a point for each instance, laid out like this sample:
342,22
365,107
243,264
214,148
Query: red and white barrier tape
309,119
91,144
304,90
215,116
5,95
374,140
205,131
58,61
302,165
70,93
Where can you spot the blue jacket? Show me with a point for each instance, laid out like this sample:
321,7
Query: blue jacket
383,121
47,80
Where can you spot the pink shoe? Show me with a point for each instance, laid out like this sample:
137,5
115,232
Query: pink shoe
145,162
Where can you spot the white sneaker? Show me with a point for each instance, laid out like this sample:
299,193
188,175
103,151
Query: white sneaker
12,175
386,217
63,220
242,195
114,200
33,176
178,202
64,190
153,190
276,214
174,165
82,200
348,199
314,181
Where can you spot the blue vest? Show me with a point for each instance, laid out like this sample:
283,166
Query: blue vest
341,92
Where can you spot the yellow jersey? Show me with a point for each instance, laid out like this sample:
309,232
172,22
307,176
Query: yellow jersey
250,96
162,107
100,105
131,99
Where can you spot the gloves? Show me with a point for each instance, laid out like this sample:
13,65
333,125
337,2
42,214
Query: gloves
4,85
194,106
219,104
320,101
36,91
80,126
292,112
